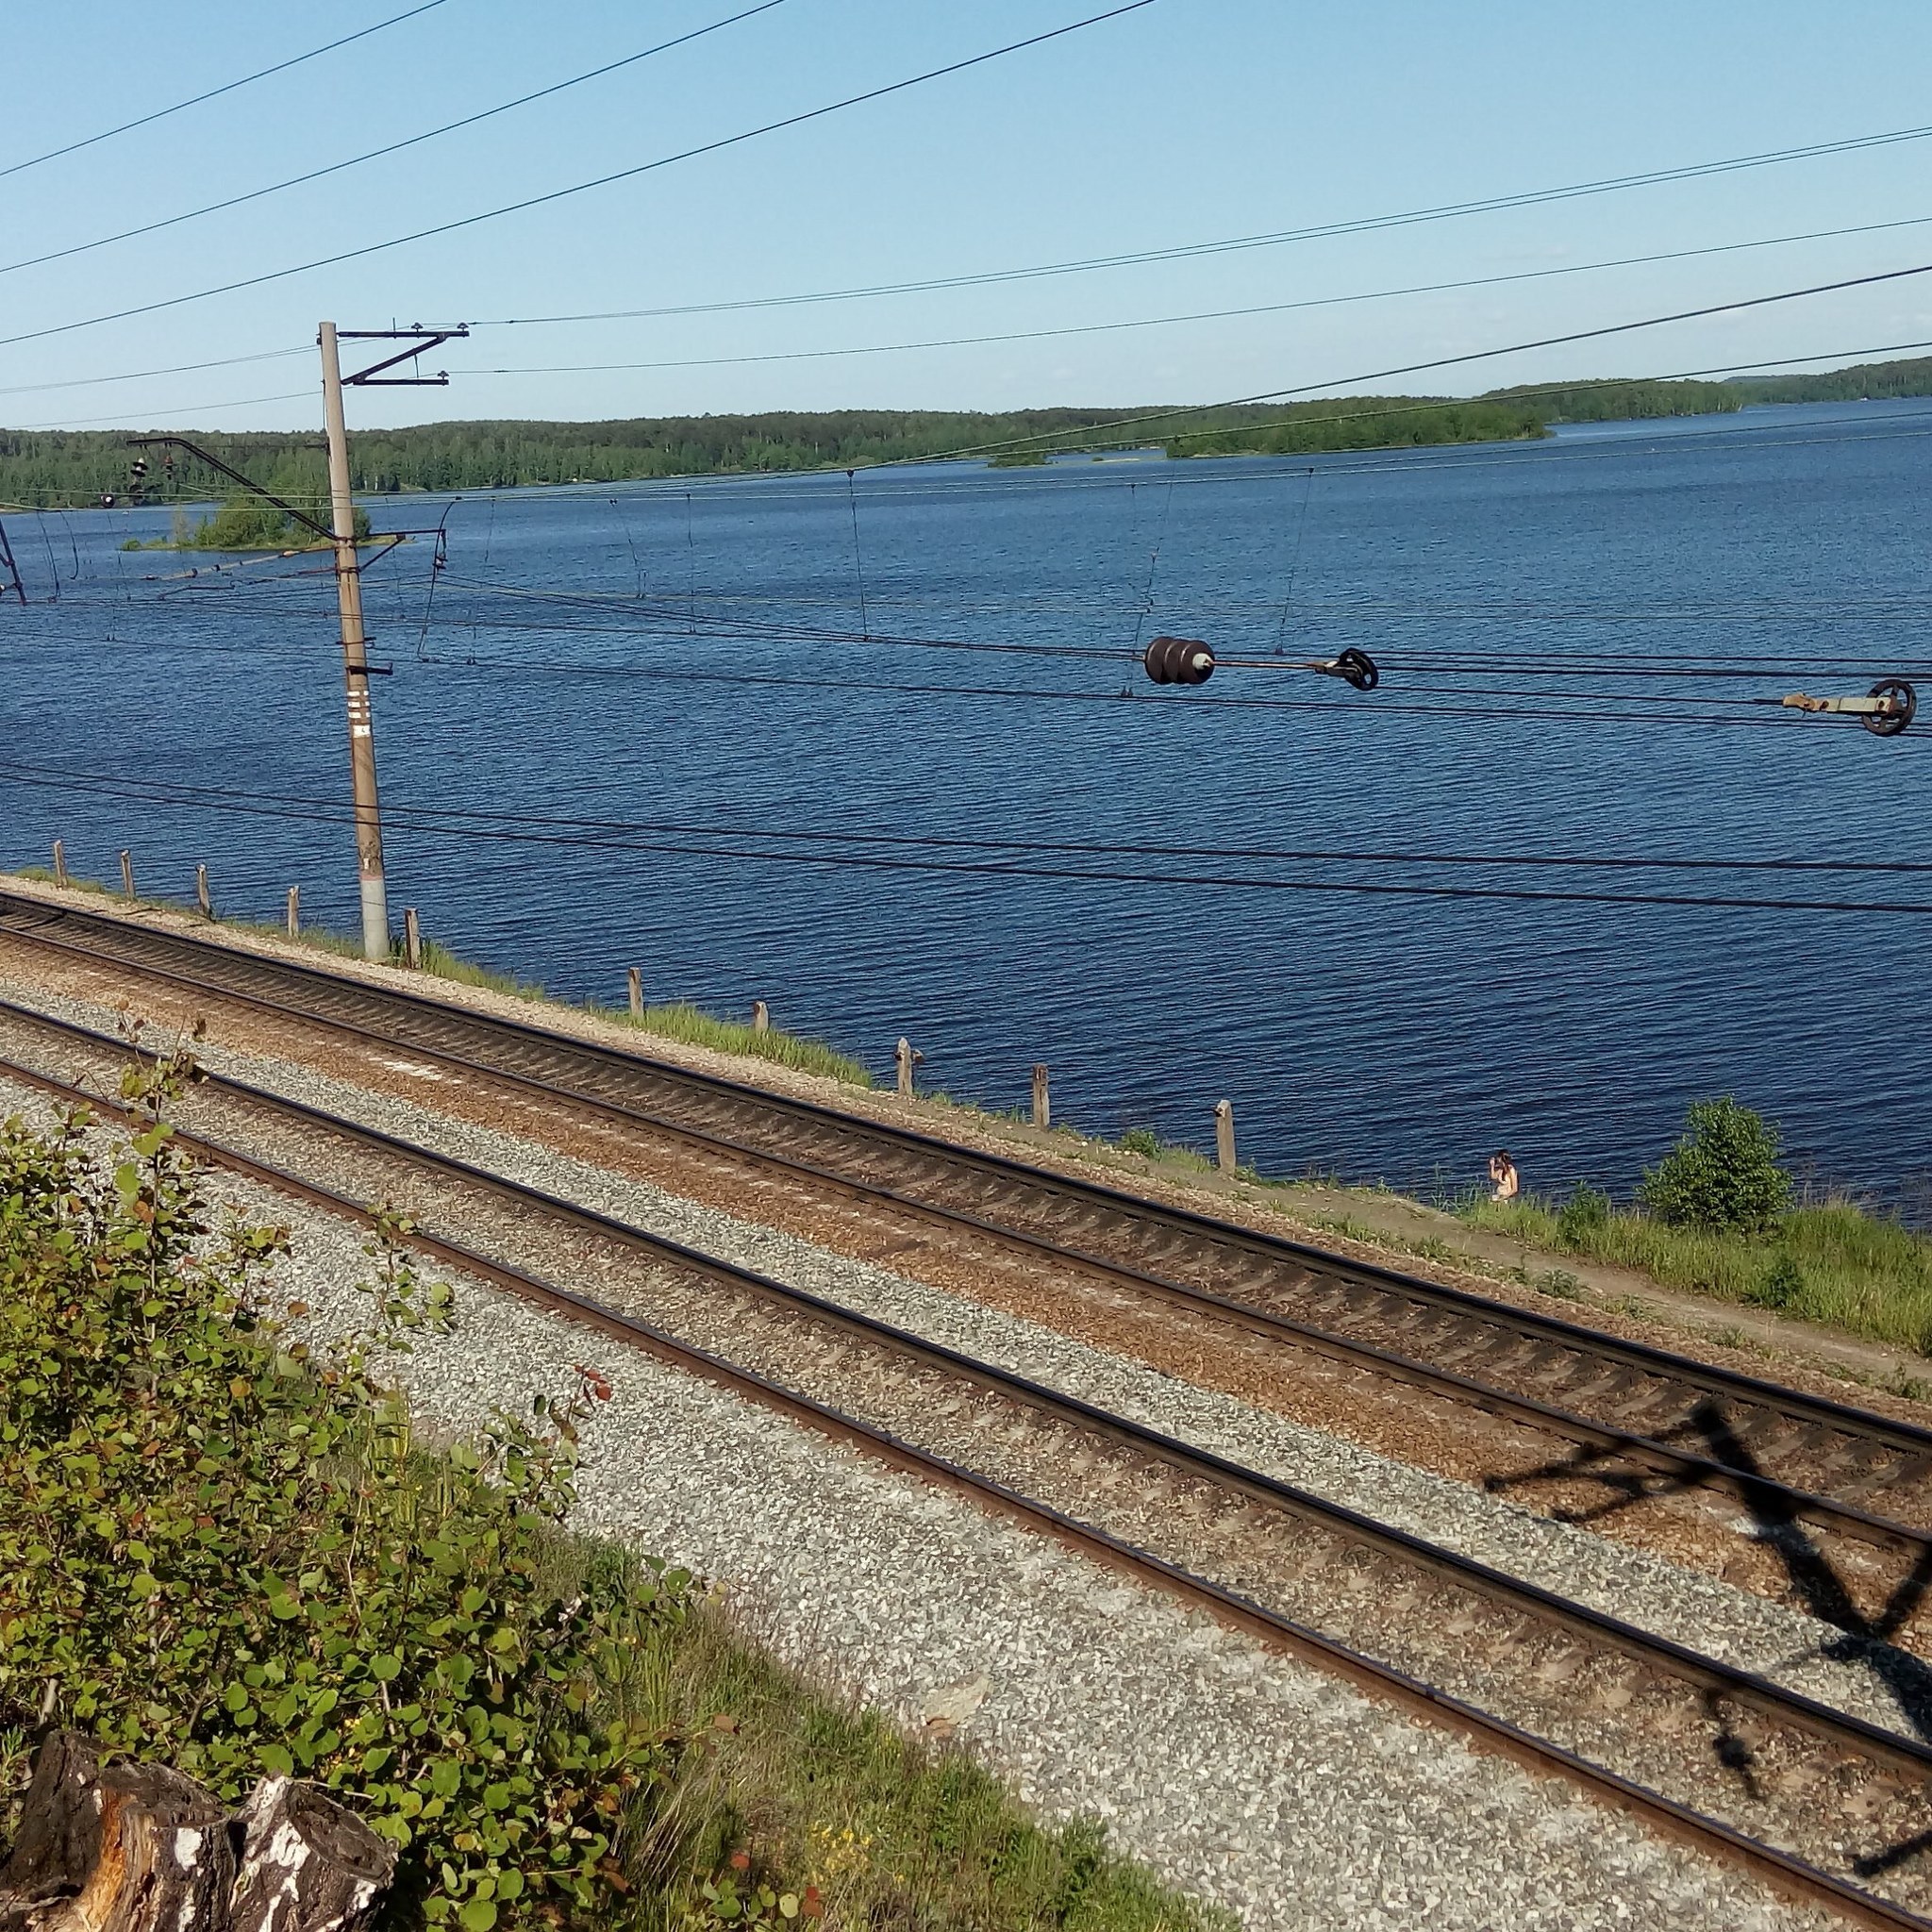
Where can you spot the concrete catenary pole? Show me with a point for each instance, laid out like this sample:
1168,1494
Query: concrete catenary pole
355,661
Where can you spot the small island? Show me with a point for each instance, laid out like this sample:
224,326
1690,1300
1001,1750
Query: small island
244,522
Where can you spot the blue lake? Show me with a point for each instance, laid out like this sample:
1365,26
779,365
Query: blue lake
643,656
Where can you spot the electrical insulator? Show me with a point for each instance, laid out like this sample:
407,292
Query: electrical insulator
1178,660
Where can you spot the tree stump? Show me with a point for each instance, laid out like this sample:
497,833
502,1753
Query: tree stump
307,1864
59,1841
139,1848
134,1848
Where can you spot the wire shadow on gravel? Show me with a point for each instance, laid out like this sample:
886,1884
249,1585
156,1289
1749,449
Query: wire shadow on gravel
1866,1641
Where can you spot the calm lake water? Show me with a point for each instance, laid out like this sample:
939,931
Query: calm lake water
641,656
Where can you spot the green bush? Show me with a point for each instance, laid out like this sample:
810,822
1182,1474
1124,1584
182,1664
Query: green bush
1141,1140
1781,1285
1583,1216
1723,1175
222,1552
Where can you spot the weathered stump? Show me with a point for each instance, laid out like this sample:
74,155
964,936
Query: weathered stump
307,1864
139,1848
59,1841
134,1848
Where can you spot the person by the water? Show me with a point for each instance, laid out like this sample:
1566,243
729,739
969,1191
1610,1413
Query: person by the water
1508,1183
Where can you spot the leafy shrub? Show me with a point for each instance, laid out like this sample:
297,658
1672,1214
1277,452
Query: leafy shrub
222,1552
1141,1140
1781,1285
1723,1175
1583,1216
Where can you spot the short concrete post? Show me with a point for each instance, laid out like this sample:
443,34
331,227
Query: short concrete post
413,940
760,1017
903,1058
1042,1101
59,863
637,993
202,897
294,912
127,877
1224,1136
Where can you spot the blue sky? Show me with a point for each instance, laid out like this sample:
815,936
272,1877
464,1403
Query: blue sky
1187,122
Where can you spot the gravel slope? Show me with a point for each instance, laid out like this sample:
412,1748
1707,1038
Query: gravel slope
1242,1775
1695,1608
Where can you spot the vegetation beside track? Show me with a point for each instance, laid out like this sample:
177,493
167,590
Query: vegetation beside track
1833,1261
671,1020
221,1550
1719,1216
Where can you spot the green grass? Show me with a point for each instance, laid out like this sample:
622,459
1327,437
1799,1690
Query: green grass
696,1027
677,1020
894,1831
1830,1262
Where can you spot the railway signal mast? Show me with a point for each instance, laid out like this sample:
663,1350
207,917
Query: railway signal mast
349,590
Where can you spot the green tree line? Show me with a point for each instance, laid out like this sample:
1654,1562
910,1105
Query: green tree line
1854,384
76,468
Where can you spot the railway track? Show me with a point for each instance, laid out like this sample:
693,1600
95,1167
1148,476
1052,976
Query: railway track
1643,1420
1817,1803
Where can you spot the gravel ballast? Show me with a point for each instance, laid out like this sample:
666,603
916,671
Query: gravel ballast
1694,1608
1241,1776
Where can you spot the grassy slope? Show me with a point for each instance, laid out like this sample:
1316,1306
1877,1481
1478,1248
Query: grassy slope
1832,1263
677,1020
893,1831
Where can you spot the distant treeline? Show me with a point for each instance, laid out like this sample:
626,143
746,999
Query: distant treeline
80,467
1366,422
1502,415
1913,378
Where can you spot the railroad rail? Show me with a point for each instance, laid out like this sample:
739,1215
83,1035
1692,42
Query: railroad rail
1796,1460
1772,1751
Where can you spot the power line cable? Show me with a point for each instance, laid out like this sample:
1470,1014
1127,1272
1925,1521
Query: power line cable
403,820
391,148
584,187
1090,848
1150,322
1187,251
28,388
215,92
290,395
1037,335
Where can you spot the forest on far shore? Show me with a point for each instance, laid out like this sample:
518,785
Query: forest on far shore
78,469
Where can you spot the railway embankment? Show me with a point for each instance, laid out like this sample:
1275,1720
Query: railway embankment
1262,1552
1274,1789
1696,1295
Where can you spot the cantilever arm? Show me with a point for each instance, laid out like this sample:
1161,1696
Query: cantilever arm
248,483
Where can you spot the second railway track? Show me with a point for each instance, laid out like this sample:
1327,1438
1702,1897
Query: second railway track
1824,1804
1631,1413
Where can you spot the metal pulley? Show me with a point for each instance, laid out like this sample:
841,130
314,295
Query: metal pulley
1178,660
1352,666
1885,711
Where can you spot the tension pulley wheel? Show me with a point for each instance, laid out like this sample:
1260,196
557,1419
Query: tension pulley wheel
1904,702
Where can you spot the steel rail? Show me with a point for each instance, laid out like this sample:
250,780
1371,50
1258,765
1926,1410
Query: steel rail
1663,1458
1784,1872
1774,1503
